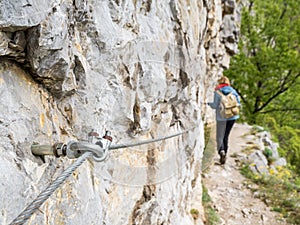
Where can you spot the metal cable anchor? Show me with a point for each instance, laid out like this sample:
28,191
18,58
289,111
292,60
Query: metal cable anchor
98,146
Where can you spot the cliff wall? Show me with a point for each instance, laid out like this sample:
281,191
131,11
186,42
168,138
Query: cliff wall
138,68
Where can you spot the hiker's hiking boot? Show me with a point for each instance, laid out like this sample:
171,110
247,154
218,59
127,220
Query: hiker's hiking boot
222,157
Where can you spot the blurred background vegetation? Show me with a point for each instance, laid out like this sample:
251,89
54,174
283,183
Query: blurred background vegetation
266,72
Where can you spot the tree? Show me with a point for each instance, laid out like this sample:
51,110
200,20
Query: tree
267,69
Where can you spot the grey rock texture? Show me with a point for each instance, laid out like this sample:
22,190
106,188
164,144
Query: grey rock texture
142,70
266,157
259,163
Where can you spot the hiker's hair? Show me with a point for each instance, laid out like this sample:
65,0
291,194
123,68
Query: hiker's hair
224,80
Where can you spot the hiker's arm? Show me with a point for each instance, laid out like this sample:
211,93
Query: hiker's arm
215,103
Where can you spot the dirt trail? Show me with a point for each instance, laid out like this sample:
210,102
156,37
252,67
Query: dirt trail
234,203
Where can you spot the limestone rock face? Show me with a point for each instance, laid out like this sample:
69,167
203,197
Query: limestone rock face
140,69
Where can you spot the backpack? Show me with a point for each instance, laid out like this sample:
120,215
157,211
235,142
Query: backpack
229,106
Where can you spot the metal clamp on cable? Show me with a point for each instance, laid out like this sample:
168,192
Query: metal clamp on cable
73,149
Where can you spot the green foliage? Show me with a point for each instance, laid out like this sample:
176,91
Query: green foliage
266,72
267,121
267,69
289,140
268,153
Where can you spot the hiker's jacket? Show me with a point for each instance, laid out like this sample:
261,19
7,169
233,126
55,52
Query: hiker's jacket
215,104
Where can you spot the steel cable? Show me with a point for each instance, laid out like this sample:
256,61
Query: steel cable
44,195
112,147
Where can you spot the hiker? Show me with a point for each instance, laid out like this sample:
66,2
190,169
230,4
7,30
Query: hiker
224,123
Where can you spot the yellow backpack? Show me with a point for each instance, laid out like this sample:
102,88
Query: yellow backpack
229,106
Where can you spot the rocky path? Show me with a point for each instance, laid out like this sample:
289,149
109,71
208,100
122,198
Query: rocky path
234,203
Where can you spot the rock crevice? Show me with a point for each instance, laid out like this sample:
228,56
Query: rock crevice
140,69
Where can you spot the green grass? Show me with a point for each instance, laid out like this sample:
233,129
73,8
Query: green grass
211,216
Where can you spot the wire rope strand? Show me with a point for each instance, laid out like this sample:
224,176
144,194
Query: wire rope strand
112,147
44,195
